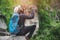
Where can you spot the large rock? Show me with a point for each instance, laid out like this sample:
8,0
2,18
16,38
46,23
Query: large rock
19,38
5,38
2,24
12,38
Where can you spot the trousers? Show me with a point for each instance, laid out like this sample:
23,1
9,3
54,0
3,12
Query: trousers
27,29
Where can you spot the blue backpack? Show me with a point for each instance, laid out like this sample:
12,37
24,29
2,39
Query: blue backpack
13,25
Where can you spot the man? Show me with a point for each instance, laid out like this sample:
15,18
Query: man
13,25
24,30
34,21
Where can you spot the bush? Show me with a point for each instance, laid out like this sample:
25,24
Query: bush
49,28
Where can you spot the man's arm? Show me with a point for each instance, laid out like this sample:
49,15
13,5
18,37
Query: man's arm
31,16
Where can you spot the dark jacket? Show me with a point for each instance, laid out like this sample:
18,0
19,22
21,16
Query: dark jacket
23,17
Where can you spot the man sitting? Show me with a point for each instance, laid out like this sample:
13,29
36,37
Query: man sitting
21,22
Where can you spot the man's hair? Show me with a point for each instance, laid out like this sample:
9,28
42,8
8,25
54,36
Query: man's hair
17,8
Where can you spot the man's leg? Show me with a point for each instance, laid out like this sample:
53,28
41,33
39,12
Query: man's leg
30,30
25,30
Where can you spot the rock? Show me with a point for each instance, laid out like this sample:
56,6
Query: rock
4,33
19,38
5,38
2,24
12,38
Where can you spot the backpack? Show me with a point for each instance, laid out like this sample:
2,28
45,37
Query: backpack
13,25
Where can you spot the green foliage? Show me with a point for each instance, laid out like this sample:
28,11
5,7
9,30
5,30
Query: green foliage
49,28
6,9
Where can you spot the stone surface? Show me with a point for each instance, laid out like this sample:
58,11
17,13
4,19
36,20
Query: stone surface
2,24
12,38
19,38
5,38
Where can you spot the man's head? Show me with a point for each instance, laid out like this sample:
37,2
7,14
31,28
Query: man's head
24,6
18,9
